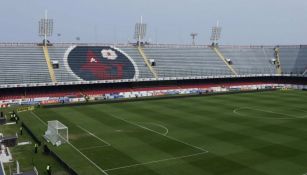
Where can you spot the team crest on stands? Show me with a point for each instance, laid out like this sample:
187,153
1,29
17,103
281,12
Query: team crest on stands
100,63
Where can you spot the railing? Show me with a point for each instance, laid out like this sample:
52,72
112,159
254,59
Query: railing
25,79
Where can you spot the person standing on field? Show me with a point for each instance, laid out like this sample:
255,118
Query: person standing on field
48,169
35,148
20,131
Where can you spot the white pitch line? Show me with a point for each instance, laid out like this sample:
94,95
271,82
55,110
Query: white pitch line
92,147
37,117
156,161
166,130
159,125
85,130
100,169
302,111
24,143
169,137
11,123
272,112
268,111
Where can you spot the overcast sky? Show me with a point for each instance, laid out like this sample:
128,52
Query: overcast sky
169,21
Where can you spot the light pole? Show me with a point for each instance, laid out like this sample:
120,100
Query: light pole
140,31
216,34
45,27
193,35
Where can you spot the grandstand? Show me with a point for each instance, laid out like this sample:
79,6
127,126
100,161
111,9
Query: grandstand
31,65
26,63
133,52
183,61
253,60
58,65
21,64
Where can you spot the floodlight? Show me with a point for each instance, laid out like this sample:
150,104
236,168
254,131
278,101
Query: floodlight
45,26
216,33
140,31
193,35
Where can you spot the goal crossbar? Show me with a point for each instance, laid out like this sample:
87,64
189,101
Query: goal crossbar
57,133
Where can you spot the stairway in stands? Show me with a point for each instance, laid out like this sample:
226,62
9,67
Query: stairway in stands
221,56
132,51
278,64
49,64
146,60
248,60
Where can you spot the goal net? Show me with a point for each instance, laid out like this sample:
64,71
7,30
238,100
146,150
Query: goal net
57,133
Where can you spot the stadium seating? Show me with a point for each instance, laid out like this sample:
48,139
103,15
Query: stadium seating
293,59
25,63
133,52
61,74
185,61
250,60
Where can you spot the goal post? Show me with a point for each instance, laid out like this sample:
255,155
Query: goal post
57,133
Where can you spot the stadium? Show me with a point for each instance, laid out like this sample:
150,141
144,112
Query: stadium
149,108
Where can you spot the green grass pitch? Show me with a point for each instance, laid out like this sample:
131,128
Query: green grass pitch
261,133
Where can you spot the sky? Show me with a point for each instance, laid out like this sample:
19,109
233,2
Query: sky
243,22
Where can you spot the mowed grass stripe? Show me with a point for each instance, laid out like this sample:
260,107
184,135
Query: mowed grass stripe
102,156
237,144
225,125
156,141
126,112
148,139
191,131
166,154
270,97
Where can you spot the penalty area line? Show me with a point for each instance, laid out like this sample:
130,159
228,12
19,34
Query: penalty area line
92,147
93,163
156,124
169,137
287,116
90,133
156,161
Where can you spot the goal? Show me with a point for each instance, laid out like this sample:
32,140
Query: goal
57,133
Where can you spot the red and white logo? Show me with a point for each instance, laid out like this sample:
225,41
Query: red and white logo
108,54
